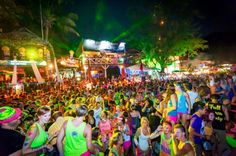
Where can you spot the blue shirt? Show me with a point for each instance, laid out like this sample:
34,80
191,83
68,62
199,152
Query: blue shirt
197,126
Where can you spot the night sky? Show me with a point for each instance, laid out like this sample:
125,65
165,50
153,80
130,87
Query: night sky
107,19
219,15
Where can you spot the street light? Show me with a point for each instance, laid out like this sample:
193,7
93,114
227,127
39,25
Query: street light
162,22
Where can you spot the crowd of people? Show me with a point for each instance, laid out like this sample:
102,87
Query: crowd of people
192,117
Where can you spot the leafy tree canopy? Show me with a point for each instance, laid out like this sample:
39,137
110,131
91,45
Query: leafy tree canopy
168,33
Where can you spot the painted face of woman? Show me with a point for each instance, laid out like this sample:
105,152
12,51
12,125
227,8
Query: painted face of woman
45,117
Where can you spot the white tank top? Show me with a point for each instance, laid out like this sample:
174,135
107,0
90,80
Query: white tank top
143,141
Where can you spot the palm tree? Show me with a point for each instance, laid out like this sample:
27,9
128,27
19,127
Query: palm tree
48,21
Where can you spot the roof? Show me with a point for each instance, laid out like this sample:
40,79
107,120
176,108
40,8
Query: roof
21,38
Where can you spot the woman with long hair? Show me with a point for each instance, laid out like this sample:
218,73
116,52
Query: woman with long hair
105,127
170,112
183,105
36,141
208,143
125,131
142,138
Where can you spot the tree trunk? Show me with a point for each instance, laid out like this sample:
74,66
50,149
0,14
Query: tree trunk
41,19
46,33
162,67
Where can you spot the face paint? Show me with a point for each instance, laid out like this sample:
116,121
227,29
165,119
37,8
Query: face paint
29,133
25,144
45,118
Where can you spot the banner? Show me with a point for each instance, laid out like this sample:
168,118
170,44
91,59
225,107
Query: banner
14,77
37,73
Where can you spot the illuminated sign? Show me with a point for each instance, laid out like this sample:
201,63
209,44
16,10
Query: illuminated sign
104,46
21,63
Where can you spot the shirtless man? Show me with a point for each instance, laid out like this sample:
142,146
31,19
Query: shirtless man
181,145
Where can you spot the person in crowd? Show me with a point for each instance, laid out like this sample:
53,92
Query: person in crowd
90,118
170,112
105,127
11,141
37,139
117,95
115,145
135,117
118,112
148,106
219,124
125,131
204,95
77,134
135,123
196,131
193,95
97,112
181,145
208,119
155,121
97,141
183,105
142,138
166,148
58,121
220,89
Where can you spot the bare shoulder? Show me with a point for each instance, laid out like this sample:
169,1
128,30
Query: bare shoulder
188,147
33,129
88,128
64,124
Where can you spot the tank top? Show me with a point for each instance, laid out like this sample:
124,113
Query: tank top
75,142
166,148
143,141
182,103
41,139
173,112
125,136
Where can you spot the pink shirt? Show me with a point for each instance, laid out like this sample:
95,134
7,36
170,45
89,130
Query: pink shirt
105,129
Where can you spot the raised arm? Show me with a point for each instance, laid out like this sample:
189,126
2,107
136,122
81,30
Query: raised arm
156,133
